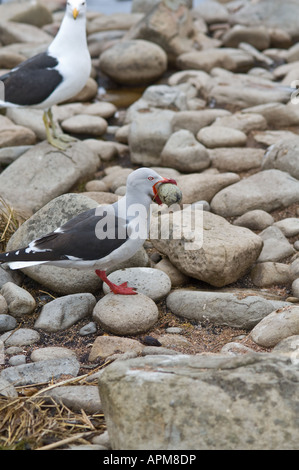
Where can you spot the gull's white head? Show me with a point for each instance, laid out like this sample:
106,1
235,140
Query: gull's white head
76,8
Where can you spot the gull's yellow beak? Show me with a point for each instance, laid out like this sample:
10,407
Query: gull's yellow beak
75,13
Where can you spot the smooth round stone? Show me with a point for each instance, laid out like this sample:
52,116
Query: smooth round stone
126,314
7,323
51,352
21,337
17,360
148,281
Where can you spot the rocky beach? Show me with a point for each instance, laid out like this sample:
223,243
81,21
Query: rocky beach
206,356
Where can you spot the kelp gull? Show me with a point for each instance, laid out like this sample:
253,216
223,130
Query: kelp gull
98,238
54,76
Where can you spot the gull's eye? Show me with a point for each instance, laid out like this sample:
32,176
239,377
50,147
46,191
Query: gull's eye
150,178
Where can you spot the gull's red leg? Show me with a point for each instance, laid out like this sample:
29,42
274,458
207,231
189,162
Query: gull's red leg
123,289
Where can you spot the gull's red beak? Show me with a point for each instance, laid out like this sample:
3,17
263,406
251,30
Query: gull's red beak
155,190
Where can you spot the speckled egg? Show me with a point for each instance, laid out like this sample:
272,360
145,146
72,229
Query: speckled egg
170,194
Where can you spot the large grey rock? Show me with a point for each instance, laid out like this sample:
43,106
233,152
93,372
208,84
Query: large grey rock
7,322
77,397
12,32
127,314
256,405
193,121
169,24
148,134
269,13
19,301
183,152
43,173
51,216
43,371
205,246
203,186
276,246
226,57
145,6
24,12
267,190
7,389
21,337
278,325
258,37
237,309
64,312
236,159
244,90
283,156
133,62
11,134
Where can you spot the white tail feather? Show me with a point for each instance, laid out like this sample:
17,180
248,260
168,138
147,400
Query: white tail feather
24,264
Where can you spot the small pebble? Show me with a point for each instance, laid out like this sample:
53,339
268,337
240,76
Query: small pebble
17,360
88,329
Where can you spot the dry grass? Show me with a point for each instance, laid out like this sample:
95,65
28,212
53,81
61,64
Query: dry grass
35,422
10,221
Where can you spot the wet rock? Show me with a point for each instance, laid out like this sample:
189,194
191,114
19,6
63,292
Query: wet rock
133,62
126,315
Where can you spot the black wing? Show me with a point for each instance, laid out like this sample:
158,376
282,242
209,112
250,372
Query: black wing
79,238
33,81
